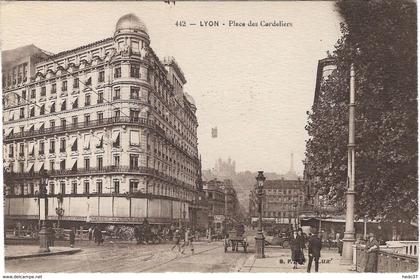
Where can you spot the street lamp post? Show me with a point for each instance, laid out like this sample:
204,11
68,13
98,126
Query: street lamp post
259,239
44,233
349,239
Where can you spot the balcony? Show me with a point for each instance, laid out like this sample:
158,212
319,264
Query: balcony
81,126
103,170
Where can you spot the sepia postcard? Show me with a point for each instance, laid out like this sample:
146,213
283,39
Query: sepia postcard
209,137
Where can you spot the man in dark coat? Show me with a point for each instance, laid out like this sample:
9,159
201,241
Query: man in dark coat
314,251
372,249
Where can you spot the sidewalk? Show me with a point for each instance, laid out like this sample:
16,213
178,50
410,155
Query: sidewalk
12,252
277,260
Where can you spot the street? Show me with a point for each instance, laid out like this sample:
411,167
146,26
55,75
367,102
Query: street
112,257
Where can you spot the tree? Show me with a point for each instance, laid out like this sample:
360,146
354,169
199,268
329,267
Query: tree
379,37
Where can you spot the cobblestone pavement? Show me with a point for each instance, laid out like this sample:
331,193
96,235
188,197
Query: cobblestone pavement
113,257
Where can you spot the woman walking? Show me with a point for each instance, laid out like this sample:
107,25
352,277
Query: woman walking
297,244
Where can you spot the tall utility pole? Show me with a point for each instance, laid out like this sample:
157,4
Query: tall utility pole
348,240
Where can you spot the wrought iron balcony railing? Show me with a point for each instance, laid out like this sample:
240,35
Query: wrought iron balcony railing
82,125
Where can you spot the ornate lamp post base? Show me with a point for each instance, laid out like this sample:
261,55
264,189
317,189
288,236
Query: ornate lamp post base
44,238
259,245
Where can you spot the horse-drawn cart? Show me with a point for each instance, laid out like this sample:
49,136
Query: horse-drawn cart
234,240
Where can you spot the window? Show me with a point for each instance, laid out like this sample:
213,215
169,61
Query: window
100,116
134,161
42,110
116,160
52,146
87,100
52,108
43,91
53,88
134,115
64,85
24,94
87,164
64,105
76,83
134,138
74,145
21,167
117,72
74,187
63,164
75,103
52,125
41,148
74,121
51,165
134,93
21,149
63,145
41,128
86,188
135,71
101,76
99,186
100,97
52,188
31,189
63,123
117,94
134,186
33,94
117,114
116,186
63,187
87,119
116,139
100,163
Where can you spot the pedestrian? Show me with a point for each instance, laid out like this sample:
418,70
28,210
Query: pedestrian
297,244
97,234
188,241
90,233
372,249
177,239
72,237
314,251
137,234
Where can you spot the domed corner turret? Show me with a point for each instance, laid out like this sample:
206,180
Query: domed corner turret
130,22
131,25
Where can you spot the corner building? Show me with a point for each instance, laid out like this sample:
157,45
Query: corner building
111,126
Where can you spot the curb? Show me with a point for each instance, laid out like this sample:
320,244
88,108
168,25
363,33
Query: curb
67,252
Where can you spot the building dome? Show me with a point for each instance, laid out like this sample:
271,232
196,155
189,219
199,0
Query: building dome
130,22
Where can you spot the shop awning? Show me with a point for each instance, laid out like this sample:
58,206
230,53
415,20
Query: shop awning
72,141
30,167
86,144
73,163
31,148
115,137
11,114
40,166
99,140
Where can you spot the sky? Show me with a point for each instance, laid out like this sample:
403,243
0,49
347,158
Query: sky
255,84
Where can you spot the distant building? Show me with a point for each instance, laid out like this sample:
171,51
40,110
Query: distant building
282,201
222,202
225,169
